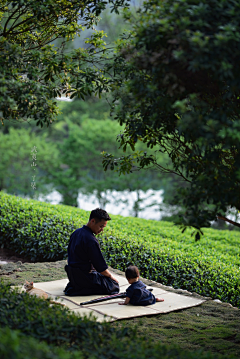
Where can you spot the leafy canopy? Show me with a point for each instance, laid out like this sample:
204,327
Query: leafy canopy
81,167
33,70
179,81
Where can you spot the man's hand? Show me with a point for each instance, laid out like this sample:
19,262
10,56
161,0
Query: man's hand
109,275
113,278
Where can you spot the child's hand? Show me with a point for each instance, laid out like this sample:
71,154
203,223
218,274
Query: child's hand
127,300
122,303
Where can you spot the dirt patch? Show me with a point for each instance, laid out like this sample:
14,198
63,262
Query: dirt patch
15,269
15,273
7,255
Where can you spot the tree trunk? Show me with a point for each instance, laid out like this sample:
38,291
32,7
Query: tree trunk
102,200
70,198
136,206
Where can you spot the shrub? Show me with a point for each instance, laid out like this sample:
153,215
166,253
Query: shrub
55,325
211,267
14,345
37,230
31,329
176,270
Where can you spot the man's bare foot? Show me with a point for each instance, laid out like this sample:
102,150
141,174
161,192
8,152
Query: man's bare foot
159,300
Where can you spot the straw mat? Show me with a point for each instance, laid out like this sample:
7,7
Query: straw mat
110,310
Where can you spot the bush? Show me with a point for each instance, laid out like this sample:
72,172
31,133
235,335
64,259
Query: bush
55,325
211,267
36,229
38,331
176,270
14,345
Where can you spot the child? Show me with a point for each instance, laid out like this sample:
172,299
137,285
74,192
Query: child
137,293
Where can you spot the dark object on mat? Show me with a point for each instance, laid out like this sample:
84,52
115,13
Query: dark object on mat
102,299
81,283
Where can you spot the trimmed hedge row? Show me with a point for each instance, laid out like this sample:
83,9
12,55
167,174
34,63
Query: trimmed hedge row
36,229
177,270
41,231
14,345
44,330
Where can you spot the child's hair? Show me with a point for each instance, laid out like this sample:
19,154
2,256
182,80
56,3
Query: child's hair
132,272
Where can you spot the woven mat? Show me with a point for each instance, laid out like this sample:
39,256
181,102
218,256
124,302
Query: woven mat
110,310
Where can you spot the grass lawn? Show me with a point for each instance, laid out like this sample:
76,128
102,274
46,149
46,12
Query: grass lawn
211,326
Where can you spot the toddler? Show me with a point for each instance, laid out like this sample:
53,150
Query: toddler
137,293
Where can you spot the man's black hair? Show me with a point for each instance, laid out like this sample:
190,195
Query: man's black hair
132,272
98,214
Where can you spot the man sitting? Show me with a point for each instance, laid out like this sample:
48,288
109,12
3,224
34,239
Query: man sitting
87,270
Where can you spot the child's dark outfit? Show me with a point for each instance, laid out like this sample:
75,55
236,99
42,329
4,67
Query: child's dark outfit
139,294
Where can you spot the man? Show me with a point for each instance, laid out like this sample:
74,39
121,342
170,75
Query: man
87,270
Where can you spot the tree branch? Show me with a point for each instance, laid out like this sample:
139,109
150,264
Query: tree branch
14,12
228,220
166,170
18,16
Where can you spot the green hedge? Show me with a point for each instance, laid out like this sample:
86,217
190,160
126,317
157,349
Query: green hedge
177,271
210,267
36,229
55,325
30,328
14,345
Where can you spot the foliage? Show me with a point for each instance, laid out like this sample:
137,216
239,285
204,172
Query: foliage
113,25
81,159
58,328
69,160
77,110
14,345
55,325
81,167
173,268
178,86
33,70
53,70
16,170
210,268
40,232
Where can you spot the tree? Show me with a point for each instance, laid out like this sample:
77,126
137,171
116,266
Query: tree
81,169
19,172
80,158
37,66
33,70
179,86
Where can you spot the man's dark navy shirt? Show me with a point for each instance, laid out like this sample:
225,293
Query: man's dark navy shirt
84,251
